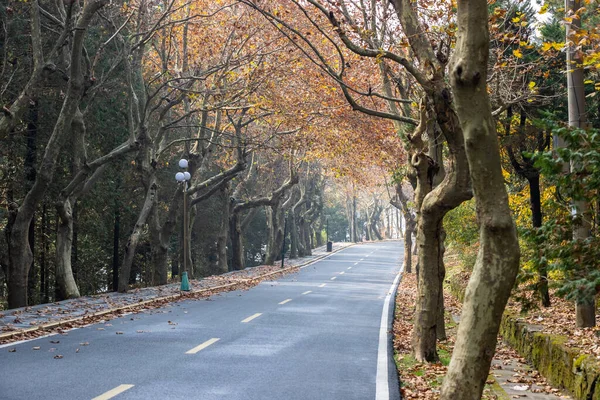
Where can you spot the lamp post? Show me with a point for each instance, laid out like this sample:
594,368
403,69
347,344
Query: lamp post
284,234
183,177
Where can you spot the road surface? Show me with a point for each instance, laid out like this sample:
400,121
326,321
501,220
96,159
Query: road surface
322,333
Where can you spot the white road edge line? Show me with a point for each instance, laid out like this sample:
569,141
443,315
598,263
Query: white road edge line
202,346
322,285
382,390
342,273
285,301
307,292
349,267
113,392
250,318
333,279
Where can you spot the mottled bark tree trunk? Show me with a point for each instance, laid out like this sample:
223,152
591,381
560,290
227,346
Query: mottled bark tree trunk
66,288
20,255
497,262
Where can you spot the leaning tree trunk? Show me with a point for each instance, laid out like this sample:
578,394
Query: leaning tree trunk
135,236
450,193
497,262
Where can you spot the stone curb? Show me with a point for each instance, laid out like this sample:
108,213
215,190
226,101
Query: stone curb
562,366
230,286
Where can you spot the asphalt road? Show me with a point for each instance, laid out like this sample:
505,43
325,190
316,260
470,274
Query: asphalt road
322,333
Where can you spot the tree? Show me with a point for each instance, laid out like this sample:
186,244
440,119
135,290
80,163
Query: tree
20,255
498,259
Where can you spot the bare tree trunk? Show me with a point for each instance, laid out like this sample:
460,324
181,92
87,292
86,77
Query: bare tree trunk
43,266
498,259
116,235
65,281
20,253
238,259
275,220
30,174
585,305
135,236
305,230
410,224
223,233
536,221
296,248
355,237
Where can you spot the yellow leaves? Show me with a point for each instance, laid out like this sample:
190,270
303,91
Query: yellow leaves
531,85
517,53
546,46
543,9
516,19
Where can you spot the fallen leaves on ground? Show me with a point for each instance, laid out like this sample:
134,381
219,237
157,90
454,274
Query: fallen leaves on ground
420,380
559,319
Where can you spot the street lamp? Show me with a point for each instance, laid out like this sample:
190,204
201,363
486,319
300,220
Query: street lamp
183,177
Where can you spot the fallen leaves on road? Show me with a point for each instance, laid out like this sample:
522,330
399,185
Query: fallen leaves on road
58,356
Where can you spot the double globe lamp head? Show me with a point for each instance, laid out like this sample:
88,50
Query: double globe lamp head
183,176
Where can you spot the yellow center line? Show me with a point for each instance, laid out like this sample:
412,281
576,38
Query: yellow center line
322,285
250,318
286,301
333,279
202,346
307,292
113,392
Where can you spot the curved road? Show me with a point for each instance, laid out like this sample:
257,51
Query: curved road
322,333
